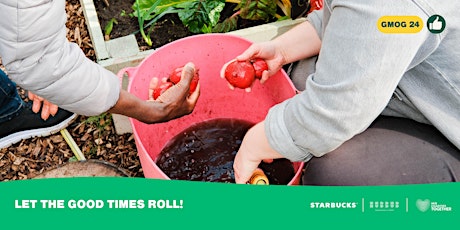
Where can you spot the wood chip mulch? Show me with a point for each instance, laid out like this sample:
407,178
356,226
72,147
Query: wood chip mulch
95,136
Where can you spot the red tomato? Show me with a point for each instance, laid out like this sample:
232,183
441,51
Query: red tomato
175,77
194,83
259,67
161,89
240,74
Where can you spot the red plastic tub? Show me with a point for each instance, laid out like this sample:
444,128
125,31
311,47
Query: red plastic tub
208,52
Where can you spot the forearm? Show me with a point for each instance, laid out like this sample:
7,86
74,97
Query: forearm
256,143
300,42
145,111
254,149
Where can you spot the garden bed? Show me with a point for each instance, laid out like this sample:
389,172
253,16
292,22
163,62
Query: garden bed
99,14
166,30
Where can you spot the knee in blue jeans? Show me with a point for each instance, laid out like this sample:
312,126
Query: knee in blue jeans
10,102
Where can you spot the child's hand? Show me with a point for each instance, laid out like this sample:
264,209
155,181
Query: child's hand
47,108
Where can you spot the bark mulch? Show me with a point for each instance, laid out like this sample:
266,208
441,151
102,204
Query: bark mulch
95,136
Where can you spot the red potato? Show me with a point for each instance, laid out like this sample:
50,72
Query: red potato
240,74
259,67
161,89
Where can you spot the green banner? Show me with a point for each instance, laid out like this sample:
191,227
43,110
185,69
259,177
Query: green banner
127,203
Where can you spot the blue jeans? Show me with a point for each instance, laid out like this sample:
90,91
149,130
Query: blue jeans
10,101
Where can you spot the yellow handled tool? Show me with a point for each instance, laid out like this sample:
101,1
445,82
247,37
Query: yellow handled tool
73,146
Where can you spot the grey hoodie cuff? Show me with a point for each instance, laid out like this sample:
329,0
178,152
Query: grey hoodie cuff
316,20
279,137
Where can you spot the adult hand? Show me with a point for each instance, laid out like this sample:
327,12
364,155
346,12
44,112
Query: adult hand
47,108
173,103
179,90
177,99
254,149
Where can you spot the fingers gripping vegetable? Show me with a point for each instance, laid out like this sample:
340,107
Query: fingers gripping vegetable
161,89
241,74
173,79
259,67
175,75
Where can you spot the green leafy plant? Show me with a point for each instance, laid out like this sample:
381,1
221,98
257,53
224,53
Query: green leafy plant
108,28
100,121
73,159
146,10
254,10
201,16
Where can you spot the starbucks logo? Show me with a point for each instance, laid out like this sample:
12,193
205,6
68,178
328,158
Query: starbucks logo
423,205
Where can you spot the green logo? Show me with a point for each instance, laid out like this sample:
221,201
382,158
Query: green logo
436,24
422,205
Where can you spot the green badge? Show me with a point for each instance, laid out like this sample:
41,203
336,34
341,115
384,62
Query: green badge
436,24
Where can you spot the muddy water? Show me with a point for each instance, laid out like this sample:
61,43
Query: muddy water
205,152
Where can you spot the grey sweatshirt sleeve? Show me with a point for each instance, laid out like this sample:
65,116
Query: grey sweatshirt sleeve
316,20
357,71
38,57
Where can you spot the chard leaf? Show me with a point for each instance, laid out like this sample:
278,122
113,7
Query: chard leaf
201,16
